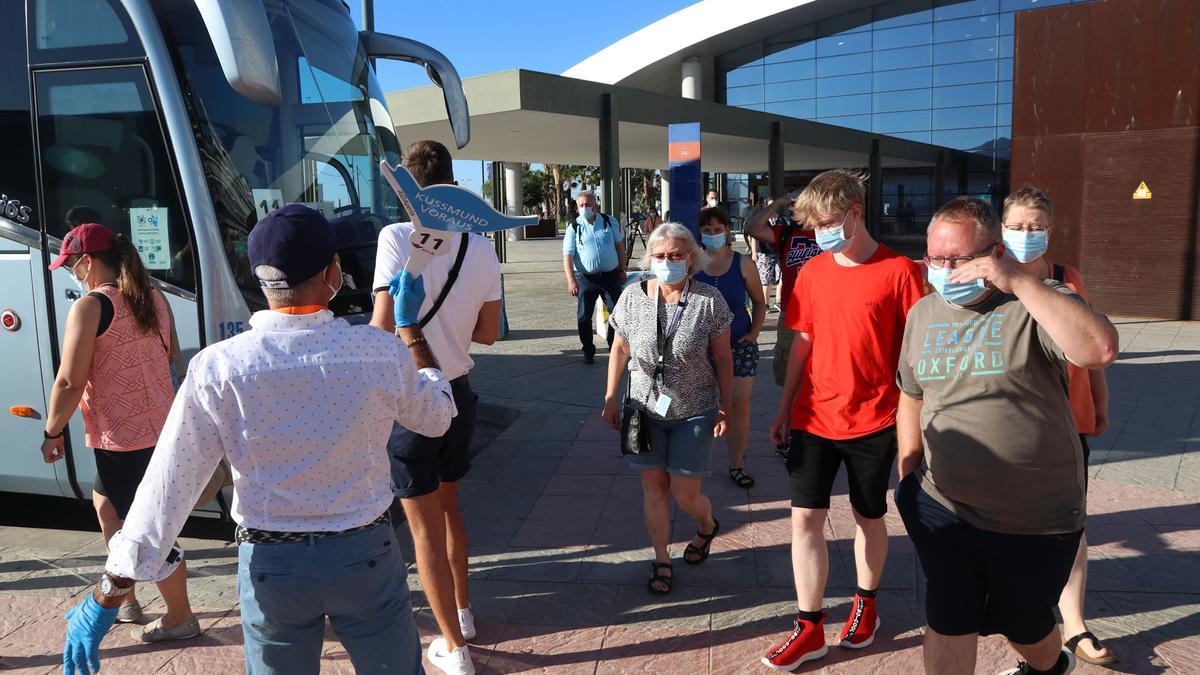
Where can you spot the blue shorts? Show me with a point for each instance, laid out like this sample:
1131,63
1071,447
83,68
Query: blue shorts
682,447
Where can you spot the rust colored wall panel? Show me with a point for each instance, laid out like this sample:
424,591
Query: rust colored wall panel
1107,94
1123,274
1048,89
1055,164
1143,65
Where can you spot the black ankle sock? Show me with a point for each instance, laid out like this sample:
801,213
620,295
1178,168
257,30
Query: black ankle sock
862,592
1060,666
811,617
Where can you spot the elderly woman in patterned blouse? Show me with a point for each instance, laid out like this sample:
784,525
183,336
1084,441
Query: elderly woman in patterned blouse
682,380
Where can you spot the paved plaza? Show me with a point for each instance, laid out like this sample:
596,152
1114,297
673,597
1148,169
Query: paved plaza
559,553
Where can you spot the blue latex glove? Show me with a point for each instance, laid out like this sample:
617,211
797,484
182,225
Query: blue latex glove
87,624
407,295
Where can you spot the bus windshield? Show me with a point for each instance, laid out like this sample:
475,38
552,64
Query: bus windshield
321,147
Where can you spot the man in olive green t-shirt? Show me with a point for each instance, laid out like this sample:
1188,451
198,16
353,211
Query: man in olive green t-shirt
992,491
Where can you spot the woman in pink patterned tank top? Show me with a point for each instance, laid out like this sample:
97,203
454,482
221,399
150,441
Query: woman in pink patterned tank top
119,348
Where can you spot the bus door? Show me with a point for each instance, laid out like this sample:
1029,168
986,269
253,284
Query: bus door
24,334
103,157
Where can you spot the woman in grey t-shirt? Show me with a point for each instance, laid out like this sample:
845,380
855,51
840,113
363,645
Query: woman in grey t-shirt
685,398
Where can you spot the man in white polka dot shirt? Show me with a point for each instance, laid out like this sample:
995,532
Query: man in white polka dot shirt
302,406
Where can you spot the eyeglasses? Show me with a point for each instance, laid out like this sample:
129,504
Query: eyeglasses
673,257
1022,228
938,262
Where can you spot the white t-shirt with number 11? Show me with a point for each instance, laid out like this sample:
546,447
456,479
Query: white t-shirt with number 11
449,333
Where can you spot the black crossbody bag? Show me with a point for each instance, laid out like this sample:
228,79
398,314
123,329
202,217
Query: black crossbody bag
635,437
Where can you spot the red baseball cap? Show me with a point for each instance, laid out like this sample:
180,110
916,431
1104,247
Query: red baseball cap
87,238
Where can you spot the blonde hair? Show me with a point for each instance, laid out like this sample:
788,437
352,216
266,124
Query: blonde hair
828,194
679,233
1030,198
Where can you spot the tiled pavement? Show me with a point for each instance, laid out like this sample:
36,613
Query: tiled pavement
559,554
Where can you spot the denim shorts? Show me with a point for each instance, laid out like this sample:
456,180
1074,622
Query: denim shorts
682,447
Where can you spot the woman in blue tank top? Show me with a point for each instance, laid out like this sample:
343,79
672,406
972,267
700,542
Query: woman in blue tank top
736,276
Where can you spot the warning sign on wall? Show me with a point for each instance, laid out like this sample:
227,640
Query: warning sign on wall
1142,192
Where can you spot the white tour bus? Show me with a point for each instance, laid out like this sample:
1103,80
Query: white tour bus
179,123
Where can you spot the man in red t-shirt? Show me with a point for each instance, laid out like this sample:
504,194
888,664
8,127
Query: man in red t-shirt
796,246
848,309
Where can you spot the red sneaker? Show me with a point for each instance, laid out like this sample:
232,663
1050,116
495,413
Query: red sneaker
806,643
860,628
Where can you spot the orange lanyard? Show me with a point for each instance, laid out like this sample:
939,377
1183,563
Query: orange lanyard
301,309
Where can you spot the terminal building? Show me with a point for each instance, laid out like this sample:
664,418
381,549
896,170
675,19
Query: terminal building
931,98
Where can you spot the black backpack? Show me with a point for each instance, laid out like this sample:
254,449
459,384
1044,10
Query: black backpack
607,223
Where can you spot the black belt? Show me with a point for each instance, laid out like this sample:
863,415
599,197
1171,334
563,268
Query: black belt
249,535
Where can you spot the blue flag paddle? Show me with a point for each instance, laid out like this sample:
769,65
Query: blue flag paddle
436,209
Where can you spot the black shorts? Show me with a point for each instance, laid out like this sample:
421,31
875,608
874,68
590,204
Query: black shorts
813,465
985,582
118,474
422,463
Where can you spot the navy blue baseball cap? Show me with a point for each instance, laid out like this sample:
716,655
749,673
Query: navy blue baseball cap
298,241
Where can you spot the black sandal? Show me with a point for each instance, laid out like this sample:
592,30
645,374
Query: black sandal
1080,653
656,578
698,550
743,479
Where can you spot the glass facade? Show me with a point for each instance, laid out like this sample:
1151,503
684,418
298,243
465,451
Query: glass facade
935,71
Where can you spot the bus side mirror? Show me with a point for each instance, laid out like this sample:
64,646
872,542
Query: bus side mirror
245,47
437,66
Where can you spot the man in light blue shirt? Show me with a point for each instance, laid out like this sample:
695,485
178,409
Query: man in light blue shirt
594,263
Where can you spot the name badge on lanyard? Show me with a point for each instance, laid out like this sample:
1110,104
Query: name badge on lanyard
663,404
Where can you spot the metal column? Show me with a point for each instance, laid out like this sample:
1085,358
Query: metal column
775,178
610,155
875,191
498,238
368,14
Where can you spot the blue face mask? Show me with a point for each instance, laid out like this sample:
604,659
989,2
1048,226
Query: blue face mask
957,293
713,242
668,271
833,239
587,212
1026,246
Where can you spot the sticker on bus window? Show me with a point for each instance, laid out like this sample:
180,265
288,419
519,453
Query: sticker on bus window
326,208
149,231
266,200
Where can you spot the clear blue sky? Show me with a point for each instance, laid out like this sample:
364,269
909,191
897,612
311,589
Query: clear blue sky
486,36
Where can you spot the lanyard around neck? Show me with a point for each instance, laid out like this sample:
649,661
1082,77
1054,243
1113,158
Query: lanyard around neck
659,366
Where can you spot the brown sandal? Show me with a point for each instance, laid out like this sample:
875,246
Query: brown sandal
1081,654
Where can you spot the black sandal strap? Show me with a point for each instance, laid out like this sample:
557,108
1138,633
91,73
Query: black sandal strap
1085,635
655,577
739,476
710,535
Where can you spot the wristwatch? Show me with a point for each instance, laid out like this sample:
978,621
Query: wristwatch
110,589
48,436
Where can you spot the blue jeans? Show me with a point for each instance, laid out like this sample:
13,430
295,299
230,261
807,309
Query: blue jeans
357,580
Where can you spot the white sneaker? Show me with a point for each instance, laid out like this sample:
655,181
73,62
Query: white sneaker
466,621
457,662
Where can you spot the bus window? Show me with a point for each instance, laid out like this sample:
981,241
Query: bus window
104,158
16,175
72,30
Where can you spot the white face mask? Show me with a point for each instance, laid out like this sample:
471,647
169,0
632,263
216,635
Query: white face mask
338,288
81,281
712,202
